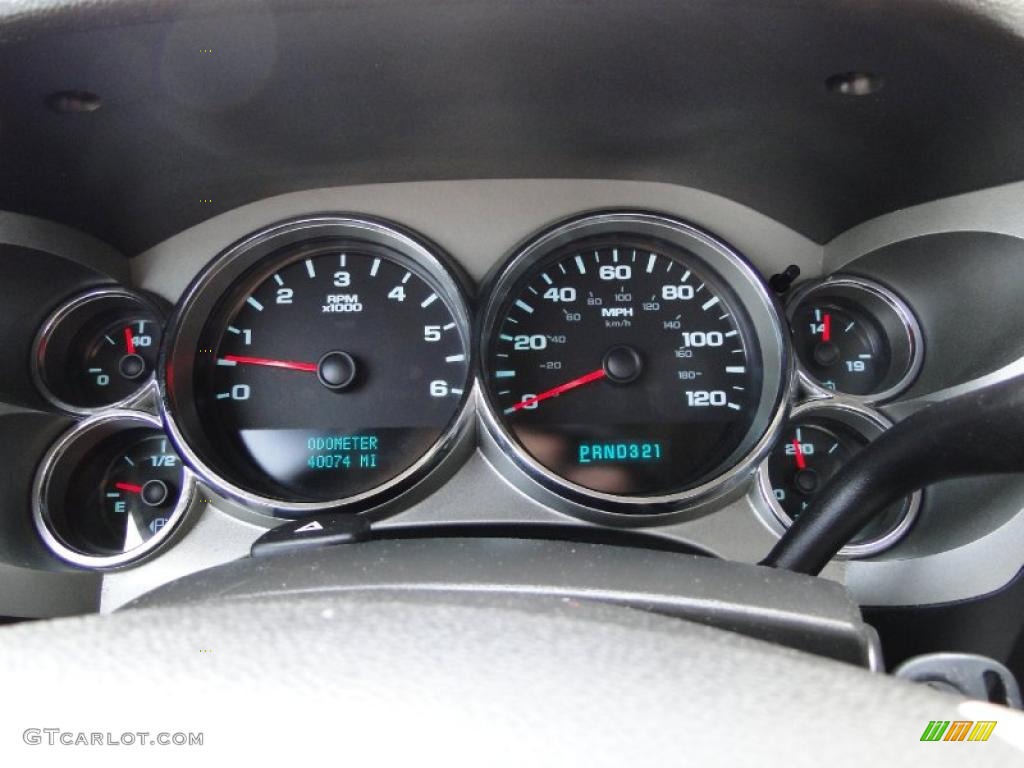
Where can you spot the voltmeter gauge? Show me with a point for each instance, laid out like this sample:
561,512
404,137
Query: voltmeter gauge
819,439
111,490
856,338
98,350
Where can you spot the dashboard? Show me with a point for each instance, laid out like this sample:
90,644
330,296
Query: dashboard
444,360
643,362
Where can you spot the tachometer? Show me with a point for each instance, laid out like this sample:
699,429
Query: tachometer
319,364
633,363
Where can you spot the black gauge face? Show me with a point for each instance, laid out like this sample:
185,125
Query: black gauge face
113,489
140,491
624,365
810,451
329,373
100,352
843,349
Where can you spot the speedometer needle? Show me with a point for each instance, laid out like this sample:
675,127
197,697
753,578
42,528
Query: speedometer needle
555,391
290,365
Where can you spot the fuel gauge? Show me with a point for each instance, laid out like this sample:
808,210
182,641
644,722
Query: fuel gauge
111,490
141,491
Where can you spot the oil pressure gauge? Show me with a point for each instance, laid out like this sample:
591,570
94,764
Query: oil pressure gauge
98,350
856,338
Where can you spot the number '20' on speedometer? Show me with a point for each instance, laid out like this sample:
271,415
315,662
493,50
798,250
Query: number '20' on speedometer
632,362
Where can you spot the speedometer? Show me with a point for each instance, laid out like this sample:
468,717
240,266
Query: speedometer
633,363
319,364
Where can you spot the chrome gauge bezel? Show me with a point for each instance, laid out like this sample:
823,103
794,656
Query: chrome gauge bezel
147,386
870,424
63,456
536,480
901,326
175,378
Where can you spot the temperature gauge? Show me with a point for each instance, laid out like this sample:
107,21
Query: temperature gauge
820,438
111,490
855,338
98,350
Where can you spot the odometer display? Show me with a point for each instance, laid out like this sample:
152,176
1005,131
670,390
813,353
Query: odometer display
328,371
625,364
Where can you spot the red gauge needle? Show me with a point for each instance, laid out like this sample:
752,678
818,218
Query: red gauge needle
801,461
555,391
128,487
291,365
129,341
826,330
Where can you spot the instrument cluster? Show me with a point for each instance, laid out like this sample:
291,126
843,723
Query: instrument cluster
623,366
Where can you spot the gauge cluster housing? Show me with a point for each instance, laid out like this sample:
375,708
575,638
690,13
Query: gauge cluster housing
479,482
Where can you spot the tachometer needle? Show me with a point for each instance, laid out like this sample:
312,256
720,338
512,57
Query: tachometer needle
798,452
555,391
290,365
128,487
129,341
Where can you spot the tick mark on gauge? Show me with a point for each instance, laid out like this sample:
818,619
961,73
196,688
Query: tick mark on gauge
686,276
730,334
651,259
342,259
735,369
733,406
222,361
277,279
455,359
709,303
524,306
429,300
504,374
223,395
310,269
548,280
406,278
505,337
374,267
110,340
447,327
255,304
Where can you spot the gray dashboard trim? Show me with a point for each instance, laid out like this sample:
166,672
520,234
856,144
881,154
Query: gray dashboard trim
51,237
806,613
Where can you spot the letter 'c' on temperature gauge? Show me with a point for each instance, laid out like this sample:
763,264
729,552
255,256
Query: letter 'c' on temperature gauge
320,364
